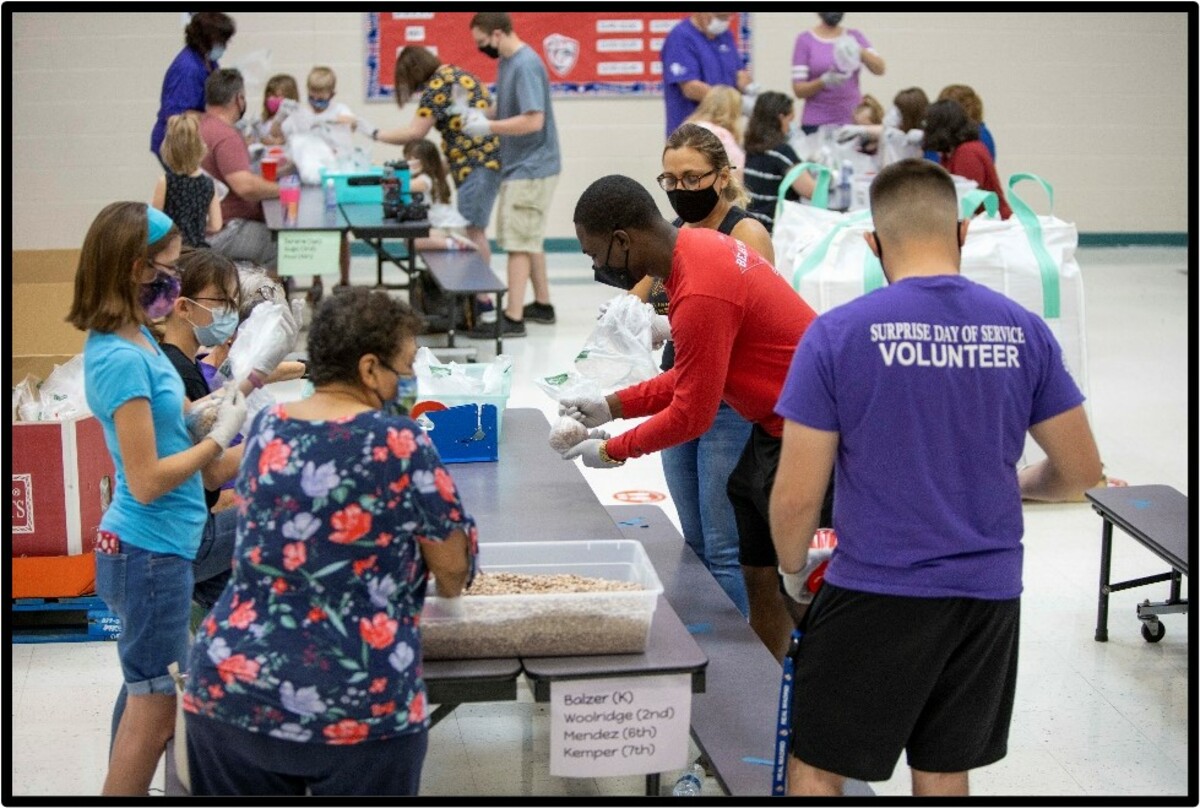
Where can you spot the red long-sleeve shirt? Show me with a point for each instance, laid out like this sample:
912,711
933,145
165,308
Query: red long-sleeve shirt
736,323
972,160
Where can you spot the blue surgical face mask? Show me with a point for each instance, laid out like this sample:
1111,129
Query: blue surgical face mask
319,104
216,53
224,324
406,396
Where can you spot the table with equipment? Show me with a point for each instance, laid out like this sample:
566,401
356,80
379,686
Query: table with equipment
1157,517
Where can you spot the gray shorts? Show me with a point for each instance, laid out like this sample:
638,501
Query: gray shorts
477,194
245,240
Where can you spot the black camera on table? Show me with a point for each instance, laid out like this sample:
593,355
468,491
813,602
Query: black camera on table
394,207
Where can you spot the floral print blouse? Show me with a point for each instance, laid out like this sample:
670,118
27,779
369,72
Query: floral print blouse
316,637
462,151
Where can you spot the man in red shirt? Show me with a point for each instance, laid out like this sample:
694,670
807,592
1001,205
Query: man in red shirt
245,235
736,323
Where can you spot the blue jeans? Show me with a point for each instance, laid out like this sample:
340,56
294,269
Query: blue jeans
213,565
697,472
152,594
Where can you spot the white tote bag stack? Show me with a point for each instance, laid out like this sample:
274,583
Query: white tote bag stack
1030,258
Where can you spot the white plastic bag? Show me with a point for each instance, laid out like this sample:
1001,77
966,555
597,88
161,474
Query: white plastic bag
435,378
62,393
310,153
254,337
27,405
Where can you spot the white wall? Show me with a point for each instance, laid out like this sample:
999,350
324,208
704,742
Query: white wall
1095,103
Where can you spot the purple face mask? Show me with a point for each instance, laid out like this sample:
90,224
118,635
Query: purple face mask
159,295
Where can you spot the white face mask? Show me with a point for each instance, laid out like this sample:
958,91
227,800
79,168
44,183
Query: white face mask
892,117
718,27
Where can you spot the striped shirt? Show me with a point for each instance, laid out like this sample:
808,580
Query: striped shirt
764,172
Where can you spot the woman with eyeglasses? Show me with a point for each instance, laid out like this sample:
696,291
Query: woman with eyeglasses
704,193
306,675
150,532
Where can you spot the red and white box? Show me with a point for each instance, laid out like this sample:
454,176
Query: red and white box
62,481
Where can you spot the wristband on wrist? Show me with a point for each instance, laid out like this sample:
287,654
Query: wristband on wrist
605,457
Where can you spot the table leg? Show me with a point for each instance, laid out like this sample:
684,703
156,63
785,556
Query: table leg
377,245
1105,563
451,317
499,323
653,784
1176,577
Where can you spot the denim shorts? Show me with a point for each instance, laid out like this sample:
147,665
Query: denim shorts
152,594
477,194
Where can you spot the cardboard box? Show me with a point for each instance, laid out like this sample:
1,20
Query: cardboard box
62,481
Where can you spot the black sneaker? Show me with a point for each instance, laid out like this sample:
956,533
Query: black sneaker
539,313
511,328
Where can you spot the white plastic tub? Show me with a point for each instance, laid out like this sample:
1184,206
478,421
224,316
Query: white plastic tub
549,624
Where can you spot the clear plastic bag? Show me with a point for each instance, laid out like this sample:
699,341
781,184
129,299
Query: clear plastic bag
256,336
618,351
62,393
435,378
27,404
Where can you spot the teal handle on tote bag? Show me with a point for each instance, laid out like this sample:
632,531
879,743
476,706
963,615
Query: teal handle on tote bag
1051,302
820,198
815,258
973,199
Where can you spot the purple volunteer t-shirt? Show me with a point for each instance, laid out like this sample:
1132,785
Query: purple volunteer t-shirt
813,56
688,54
931,383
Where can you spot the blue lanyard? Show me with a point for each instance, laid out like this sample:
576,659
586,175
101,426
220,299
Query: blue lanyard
784,728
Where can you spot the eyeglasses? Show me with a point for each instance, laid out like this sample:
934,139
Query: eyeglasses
173,269
690,182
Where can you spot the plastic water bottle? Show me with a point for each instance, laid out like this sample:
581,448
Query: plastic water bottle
689,783
330,194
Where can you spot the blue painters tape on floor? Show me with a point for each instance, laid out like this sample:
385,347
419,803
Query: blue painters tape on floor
757,761
699,628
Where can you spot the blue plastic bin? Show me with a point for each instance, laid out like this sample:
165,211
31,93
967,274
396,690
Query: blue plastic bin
355,194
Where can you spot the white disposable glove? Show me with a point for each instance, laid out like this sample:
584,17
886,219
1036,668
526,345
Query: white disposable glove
476,124
282,343
230,414
892,117
460,101
660,331
749,96
796,583
832,78
847,53
849,132
286,107
366,127
586,410
589,452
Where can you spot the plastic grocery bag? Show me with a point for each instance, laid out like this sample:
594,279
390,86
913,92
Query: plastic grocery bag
310,153
616,355
258,335
27,405
62,393
435,378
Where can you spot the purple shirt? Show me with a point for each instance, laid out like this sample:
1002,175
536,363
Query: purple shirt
931,383
182,89
812,57
688,54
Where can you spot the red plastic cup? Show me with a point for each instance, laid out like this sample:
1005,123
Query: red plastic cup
270,168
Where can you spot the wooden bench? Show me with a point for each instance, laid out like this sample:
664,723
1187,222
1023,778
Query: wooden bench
464,274
734,719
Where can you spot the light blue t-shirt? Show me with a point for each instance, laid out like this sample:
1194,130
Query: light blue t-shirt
116,371
523,86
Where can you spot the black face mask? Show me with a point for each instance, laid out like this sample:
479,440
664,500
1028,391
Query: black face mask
831,18
490,51
693,206
621,278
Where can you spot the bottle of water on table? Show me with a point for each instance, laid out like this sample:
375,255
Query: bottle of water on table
330,194
689,783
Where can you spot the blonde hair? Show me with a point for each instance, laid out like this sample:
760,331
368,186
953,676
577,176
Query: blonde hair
722,105
182,149
871,103
321,79
694,136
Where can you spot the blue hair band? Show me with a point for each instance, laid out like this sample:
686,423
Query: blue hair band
157,224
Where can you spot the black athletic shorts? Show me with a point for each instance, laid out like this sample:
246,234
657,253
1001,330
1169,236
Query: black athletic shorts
877,674
749,490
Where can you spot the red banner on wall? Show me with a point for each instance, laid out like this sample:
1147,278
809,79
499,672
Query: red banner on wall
584,52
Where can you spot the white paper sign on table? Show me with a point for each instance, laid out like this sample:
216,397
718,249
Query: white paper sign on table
620,726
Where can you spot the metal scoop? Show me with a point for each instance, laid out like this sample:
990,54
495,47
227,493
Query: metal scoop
479,433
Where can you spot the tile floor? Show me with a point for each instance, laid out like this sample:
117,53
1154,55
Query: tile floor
1091,719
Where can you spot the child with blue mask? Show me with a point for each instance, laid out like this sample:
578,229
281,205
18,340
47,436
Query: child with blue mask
331,121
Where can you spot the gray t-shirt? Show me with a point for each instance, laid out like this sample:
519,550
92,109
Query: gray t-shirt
523,86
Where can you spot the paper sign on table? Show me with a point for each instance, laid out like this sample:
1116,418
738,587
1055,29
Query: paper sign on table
309,252
621,726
